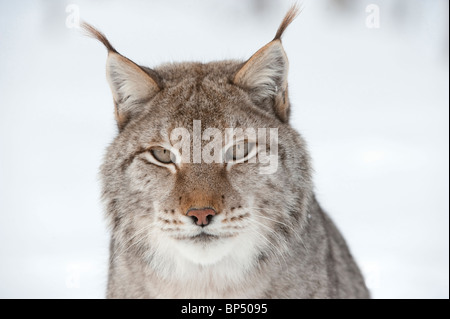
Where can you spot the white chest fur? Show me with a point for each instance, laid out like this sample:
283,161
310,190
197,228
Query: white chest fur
222,269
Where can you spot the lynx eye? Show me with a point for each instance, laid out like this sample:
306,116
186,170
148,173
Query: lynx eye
240,151
162,155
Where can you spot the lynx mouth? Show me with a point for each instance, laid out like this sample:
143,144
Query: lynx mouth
203,237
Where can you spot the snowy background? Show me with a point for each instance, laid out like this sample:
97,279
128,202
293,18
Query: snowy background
372,103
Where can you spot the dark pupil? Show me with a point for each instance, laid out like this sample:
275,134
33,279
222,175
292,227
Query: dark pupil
240,151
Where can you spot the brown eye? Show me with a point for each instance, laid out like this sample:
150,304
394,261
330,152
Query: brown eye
239,151
162,155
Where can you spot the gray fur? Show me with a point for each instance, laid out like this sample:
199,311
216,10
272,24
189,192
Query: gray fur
273,239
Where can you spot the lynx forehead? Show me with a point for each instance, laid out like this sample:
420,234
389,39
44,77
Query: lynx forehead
209,228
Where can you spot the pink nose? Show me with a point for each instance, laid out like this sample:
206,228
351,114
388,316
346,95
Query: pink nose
202,216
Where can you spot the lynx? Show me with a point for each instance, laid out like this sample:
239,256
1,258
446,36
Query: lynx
221,229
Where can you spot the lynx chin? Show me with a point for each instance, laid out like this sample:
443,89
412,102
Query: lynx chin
215,229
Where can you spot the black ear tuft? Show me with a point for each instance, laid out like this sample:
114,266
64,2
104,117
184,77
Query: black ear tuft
94,33
293,13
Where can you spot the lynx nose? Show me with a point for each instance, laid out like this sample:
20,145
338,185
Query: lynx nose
202,216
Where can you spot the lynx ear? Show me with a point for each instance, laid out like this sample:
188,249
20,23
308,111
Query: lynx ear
264,75
131,85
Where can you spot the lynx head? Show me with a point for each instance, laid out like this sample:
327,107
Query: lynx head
176,184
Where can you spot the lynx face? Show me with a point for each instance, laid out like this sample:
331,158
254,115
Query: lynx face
161,205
